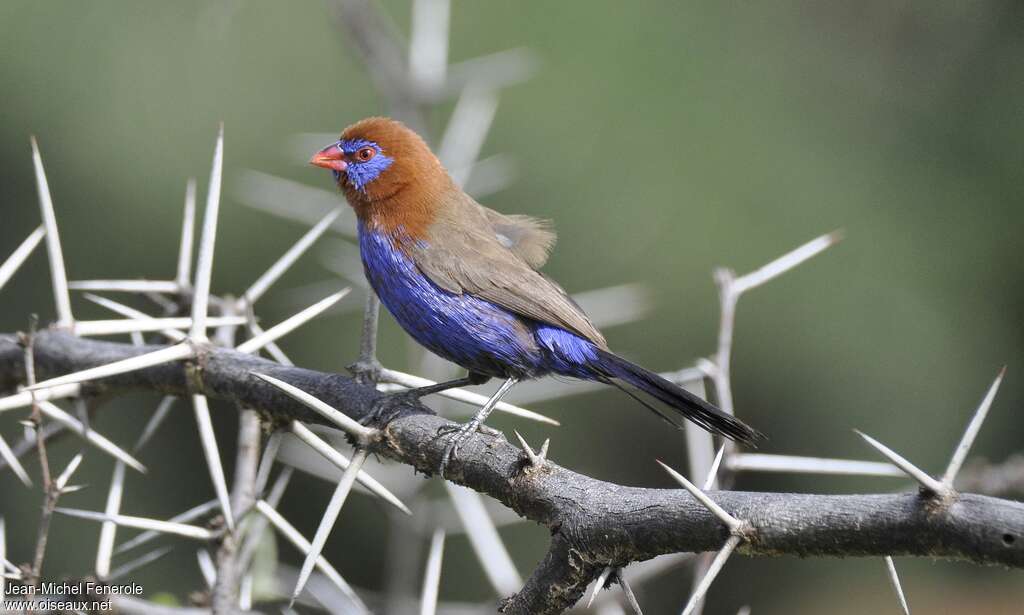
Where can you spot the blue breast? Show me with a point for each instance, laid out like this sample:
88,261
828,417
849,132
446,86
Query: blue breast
465,329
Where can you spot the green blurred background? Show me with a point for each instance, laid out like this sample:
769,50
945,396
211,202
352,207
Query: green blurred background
664,139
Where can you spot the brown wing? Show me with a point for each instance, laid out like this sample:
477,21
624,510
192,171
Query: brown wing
531,239
463,255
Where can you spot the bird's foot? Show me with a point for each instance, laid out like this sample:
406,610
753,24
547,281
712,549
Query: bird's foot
365,372
489,431
461,433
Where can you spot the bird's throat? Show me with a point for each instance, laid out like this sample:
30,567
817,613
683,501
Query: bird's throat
407,213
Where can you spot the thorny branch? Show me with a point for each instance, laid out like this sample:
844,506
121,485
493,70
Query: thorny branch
27,342
594,524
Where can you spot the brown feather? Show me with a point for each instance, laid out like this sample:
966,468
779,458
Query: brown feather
463,255
530,238
405,194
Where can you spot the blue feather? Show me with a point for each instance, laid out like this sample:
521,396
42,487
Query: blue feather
362,173
473,332
488,339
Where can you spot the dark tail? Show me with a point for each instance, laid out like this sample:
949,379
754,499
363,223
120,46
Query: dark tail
702,413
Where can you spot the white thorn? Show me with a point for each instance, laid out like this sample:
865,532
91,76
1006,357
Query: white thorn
533,391
143,325
615,305
536,459
81,412
133,565
543,453
292,200
784,263
910,469
328,519
960,454
627,591
894,578
272,349
497,70
206,567
341,257
124,310
700,444
467,128
18,257
331,454
432,575
490,175
204,266
267,461
245,592
757,462
142,361
193,513
287,326
69,471
108,533
126,286
212,454
15,465
280,484
90,435
154,422
730,521
428,43
709,577
707,367
712,479
188,230
142,523
599,584
348,424
264,282
686,375
24,399
293,536
485,540
58,275
410,381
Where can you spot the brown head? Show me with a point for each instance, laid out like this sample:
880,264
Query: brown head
387,172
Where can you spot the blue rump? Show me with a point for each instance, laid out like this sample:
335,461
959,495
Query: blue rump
479,335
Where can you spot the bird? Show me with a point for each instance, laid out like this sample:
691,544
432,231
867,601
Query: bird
464,281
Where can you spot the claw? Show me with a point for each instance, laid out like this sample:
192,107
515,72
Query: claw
464,431
366,371
451,451
490,431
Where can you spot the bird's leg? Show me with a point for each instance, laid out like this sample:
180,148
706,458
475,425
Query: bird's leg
470,379
464,431
391,405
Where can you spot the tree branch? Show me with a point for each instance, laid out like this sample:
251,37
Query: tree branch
594,524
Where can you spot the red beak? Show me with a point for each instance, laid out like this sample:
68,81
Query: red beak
330,157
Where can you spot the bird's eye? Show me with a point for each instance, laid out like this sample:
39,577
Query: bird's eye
365,154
